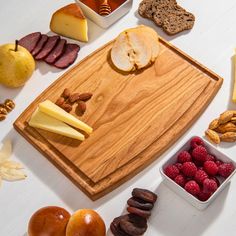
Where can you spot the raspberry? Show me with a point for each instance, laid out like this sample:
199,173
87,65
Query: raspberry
199,153
196,141
226,169
192,187
204,196
211,168
200,176
171,171
210,157
180,180
209,186
184,156
179,166
189,169
218,163
217,181
198,164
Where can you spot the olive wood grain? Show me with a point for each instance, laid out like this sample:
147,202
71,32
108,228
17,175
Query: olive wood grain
136,116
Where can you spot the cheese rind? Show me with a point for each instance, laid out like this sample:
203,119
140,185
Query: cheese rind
58,113
69,21
45,122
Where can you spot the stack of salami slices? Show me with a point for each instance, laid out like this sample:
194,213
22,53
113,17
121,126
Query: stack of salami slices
51,49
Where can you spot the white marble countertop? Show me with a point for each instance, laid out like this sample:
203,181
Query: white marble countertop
211,42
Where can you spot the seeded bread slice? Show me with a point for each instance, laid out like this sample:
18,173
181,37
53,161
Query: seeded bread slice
178,22
160,12
147,8
167,14
144,9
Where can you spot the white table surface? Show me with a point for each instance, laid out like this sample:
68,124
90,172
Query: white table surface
211,42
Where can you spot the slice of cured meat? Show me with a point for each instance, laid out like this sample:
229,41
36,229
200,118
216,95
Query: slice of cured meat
56,52
40,44
30,41
68,57
48,47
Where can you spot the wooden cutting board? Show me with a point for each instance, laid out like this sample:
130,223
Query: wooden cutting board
135,116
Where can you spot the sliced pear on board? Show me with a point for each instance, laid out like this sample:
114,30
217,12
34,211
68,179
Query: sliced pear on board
135,48
142,51
122,53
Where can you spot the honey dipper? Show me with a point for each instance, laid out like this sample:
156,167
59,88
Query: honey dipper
104,8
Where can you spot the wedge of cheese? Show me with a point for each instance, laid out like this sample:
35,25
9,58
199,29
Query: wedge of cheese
43,121
58,113
69,21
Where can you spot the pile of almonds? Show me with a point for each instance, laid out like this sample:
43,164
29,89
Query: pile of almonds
139,208
5,108
222,128
68,99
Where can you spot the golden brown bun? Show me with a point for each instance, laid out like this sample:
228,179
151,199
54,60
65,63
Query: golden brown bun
86,222
48,221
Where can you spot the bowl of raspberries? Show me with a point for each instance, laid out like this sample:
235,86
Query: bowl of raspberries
198,172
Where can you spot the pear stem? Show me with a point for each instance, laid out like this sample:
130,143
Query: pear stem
16,45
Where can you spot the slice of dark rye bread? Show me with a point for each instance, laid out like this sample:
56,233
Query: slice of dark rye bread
178,22
167,14
147,7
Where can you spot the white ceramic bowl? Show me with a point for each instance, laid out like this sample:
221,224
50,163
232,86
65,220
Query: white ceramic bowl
201,205
105,21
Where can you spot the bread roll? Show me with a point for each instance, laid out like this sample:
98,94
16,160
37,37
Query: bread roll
48,221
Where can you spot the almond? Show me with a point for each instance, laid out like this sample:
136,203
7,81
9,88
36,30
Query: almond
233,120
227,127
214,124
228,137
85,96
212,136
81,106
66,93
3,111
60,101
2,117
74,97
225,117
66,107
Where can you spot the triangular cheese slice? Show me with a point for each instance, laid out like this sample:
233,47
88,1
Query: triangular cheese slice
58,113
45,122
